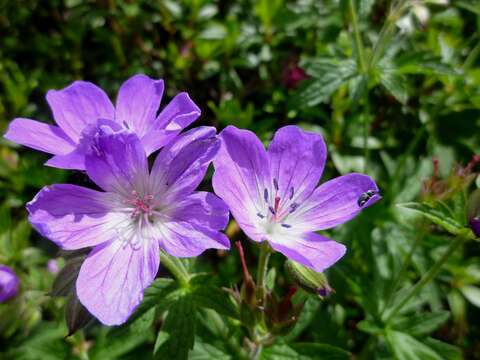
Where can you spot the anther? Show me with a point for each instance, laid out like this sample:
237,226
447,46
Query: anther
293,207
265,195
271,210
291,193
260,216
286,226
275,184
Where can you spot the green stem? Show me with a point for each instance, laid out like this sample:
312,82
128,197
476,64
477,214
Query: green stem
366,130
262,271
176,268
357,38
469,61
432,273
386,32
403,271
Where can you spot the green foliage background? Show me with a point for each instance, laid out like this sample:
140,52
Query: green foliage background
390,90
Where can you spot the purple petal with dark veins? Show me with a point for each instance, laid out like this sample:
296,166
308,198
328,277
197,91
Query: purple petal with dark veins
241,176
74,217
138,102
334,202
297,159
77,105
113,277
309,249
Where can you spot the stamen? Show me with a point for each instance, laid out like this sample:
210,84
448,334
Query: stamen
265,195
260,216
277,202
141,204
275,184
286,226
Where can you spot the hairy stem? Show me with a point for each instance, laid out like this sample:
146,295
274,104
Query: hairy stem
262,271
176,268
357,38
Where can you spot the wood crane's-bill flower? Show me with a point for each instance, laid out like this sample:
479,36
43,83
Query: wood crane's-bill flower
273,195
83,104
138,213
9,283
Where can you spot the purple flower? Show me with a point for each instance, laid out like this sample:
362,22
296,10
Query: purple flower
273,194
139,212
52,266
83,103
8,283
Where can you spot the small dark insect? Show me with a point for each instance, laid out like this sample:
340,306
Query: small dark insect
362,200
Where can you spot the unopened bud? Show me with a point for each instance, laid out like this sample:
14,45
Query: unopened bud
473,212
308,279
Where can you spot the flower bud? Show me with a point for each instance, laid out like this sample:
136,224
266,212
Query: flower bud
9,283
308,279
473,212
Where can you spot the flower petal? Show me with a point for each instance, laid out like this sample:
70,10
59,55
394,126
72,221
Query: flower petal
155,139
334,202
297,159
309,249
188,238
117,162
241,177
202,208
77,105
178,114
74,217
74,160
9,283
113,277
138,102
181,165
39,136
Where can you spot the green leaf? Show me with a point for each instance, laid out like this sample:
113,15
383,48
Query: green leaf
113,346
304,351
320,351
440,217
472,294
448,351
406,347
143,323
306,317
395,84
327,77
212,297
161,294
421,324
180,329
47,344
204,351
422,63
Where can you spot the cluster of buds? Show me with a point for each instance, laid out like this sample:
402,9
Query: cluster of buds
458,180
280,312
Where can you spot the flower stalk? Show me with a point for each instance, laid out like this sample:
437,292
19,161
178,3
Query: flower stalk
176,268
357,38
262,272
